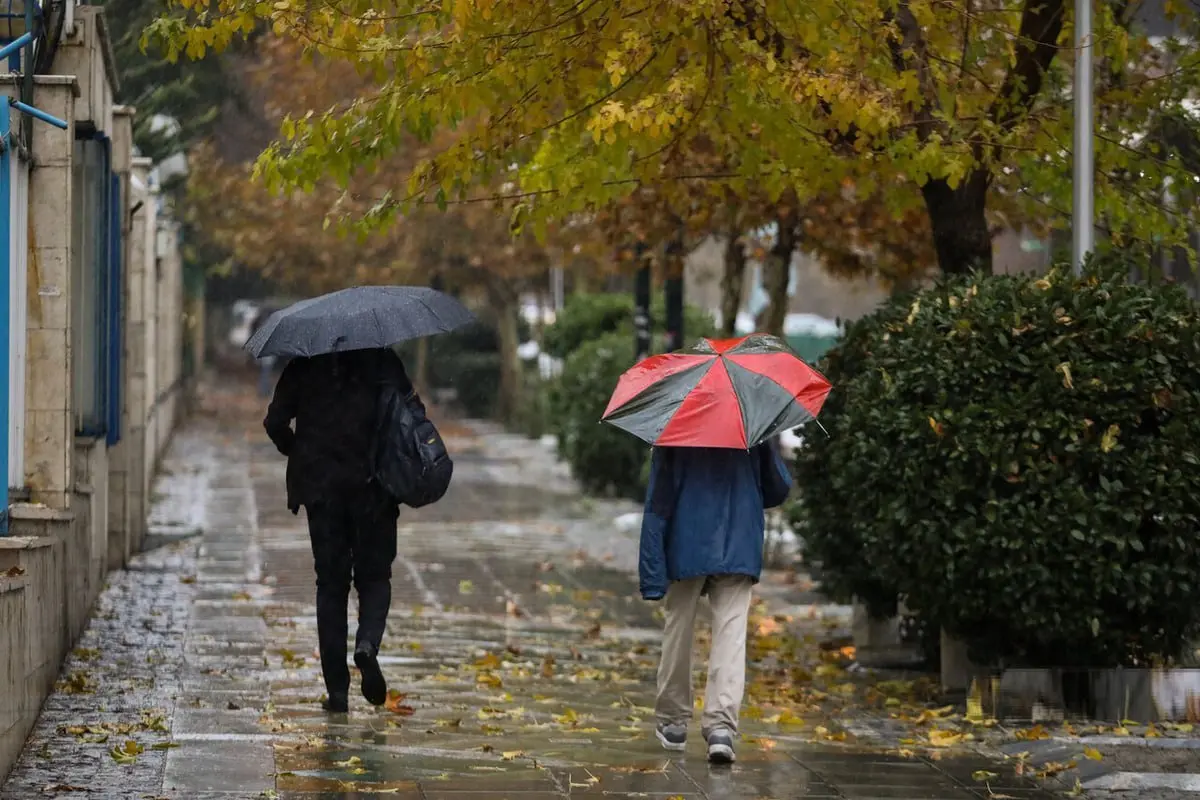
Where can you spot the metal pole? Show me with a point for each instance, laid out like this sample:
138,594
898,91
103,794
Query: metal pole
1082,221
15,45
37,113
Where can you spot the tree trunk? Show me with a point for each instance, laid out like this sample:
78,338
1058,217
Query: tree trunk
733,279
959,220
673,294
777,270
643,325
504,303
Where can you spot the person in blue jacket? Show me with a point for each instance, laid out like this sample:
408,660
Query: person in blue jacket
702,534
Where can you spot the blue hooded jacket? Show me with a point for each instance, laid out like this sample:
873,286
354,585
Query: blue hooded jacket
704,513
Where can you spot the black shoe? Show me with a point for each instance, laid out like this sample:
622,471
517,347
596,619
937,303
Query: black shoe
374,687
720,747
337,703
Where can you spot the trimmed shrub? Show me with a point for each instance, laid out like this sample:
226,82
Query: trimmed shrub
586,317
603,459
1017,457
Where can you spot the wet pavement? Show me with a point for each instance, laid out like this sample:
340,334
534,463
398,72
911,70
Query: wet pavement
520,658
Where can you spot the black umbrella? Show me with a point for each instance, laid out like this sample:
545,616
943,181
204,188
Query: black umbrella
361,318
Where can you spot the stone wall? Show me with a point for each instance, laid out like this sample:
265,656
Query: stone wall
88,504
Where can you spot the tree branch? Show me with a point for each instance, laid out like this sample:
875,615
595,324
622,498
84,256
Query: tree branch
1036,46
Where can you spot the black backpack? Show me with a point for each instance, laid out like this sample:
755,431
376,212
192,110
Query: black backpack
410,459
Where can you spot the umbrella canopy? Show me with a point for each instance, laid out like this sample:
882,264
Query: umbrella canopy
361,318
730,393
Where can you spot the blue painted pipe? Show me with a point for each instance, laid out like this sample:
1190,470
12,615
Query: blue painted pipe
36,113
15,45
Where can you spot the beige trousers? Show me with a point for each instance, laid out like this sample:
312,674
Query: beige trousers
729,596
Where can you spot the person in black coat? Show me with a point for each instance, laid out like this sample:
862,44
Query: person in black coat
332,399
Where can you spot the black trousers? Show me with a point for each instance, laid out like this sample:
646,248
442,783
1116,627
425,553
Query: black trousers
353,539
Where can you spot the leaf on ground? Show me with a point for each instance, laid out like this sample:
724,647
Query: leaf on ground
489,661
466,587
490,679
164,746
1033,734
352,761
242,596
939,737
512,755
1092,753
126,753
14,572
569,717
395,704
982,776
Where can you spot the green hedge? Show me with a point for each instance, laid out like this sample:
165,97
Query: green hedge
603,459
594,336
585,317
1018,458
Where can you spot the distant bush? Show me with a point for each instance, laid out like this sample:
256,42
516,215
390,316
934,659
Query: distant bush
587,317
603,459
1019,459
594,335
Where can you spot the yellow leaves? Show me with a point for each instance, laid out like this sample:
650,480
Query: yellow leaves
78,682
913,312
983,776
785,717
1109,440
1092,754
825,734
466,587
938,429
1036,733
126,753
489,679
939,737
1064,369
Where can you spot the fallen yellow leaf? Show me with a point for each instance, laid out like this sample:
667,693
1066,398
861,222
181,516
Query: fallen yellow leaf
943,738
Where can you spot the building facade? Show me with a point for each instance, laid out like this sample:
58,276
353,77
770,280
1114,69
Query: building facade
95,326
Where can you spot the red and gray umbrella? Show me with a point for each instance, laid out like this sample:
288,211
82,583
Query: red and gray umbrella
730,393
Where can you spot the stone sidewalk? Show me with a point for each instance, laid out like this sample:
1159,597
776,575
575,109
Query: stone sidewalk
521,660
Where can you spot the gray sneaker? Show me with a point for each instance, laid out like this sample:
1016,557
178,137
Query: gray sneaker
720,747
672,736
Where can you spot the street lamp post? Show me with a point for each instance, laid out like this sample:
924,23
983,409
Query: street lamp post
1082,222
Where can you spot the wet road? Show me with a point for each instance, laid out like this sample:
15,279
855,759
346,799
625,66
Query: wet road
520,658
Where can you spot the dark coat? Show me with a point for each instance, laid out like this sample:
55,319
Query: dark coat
332,399
704,513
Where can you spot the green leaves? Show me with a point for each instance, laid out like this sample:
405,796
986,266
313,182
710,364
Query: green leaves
1050,520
